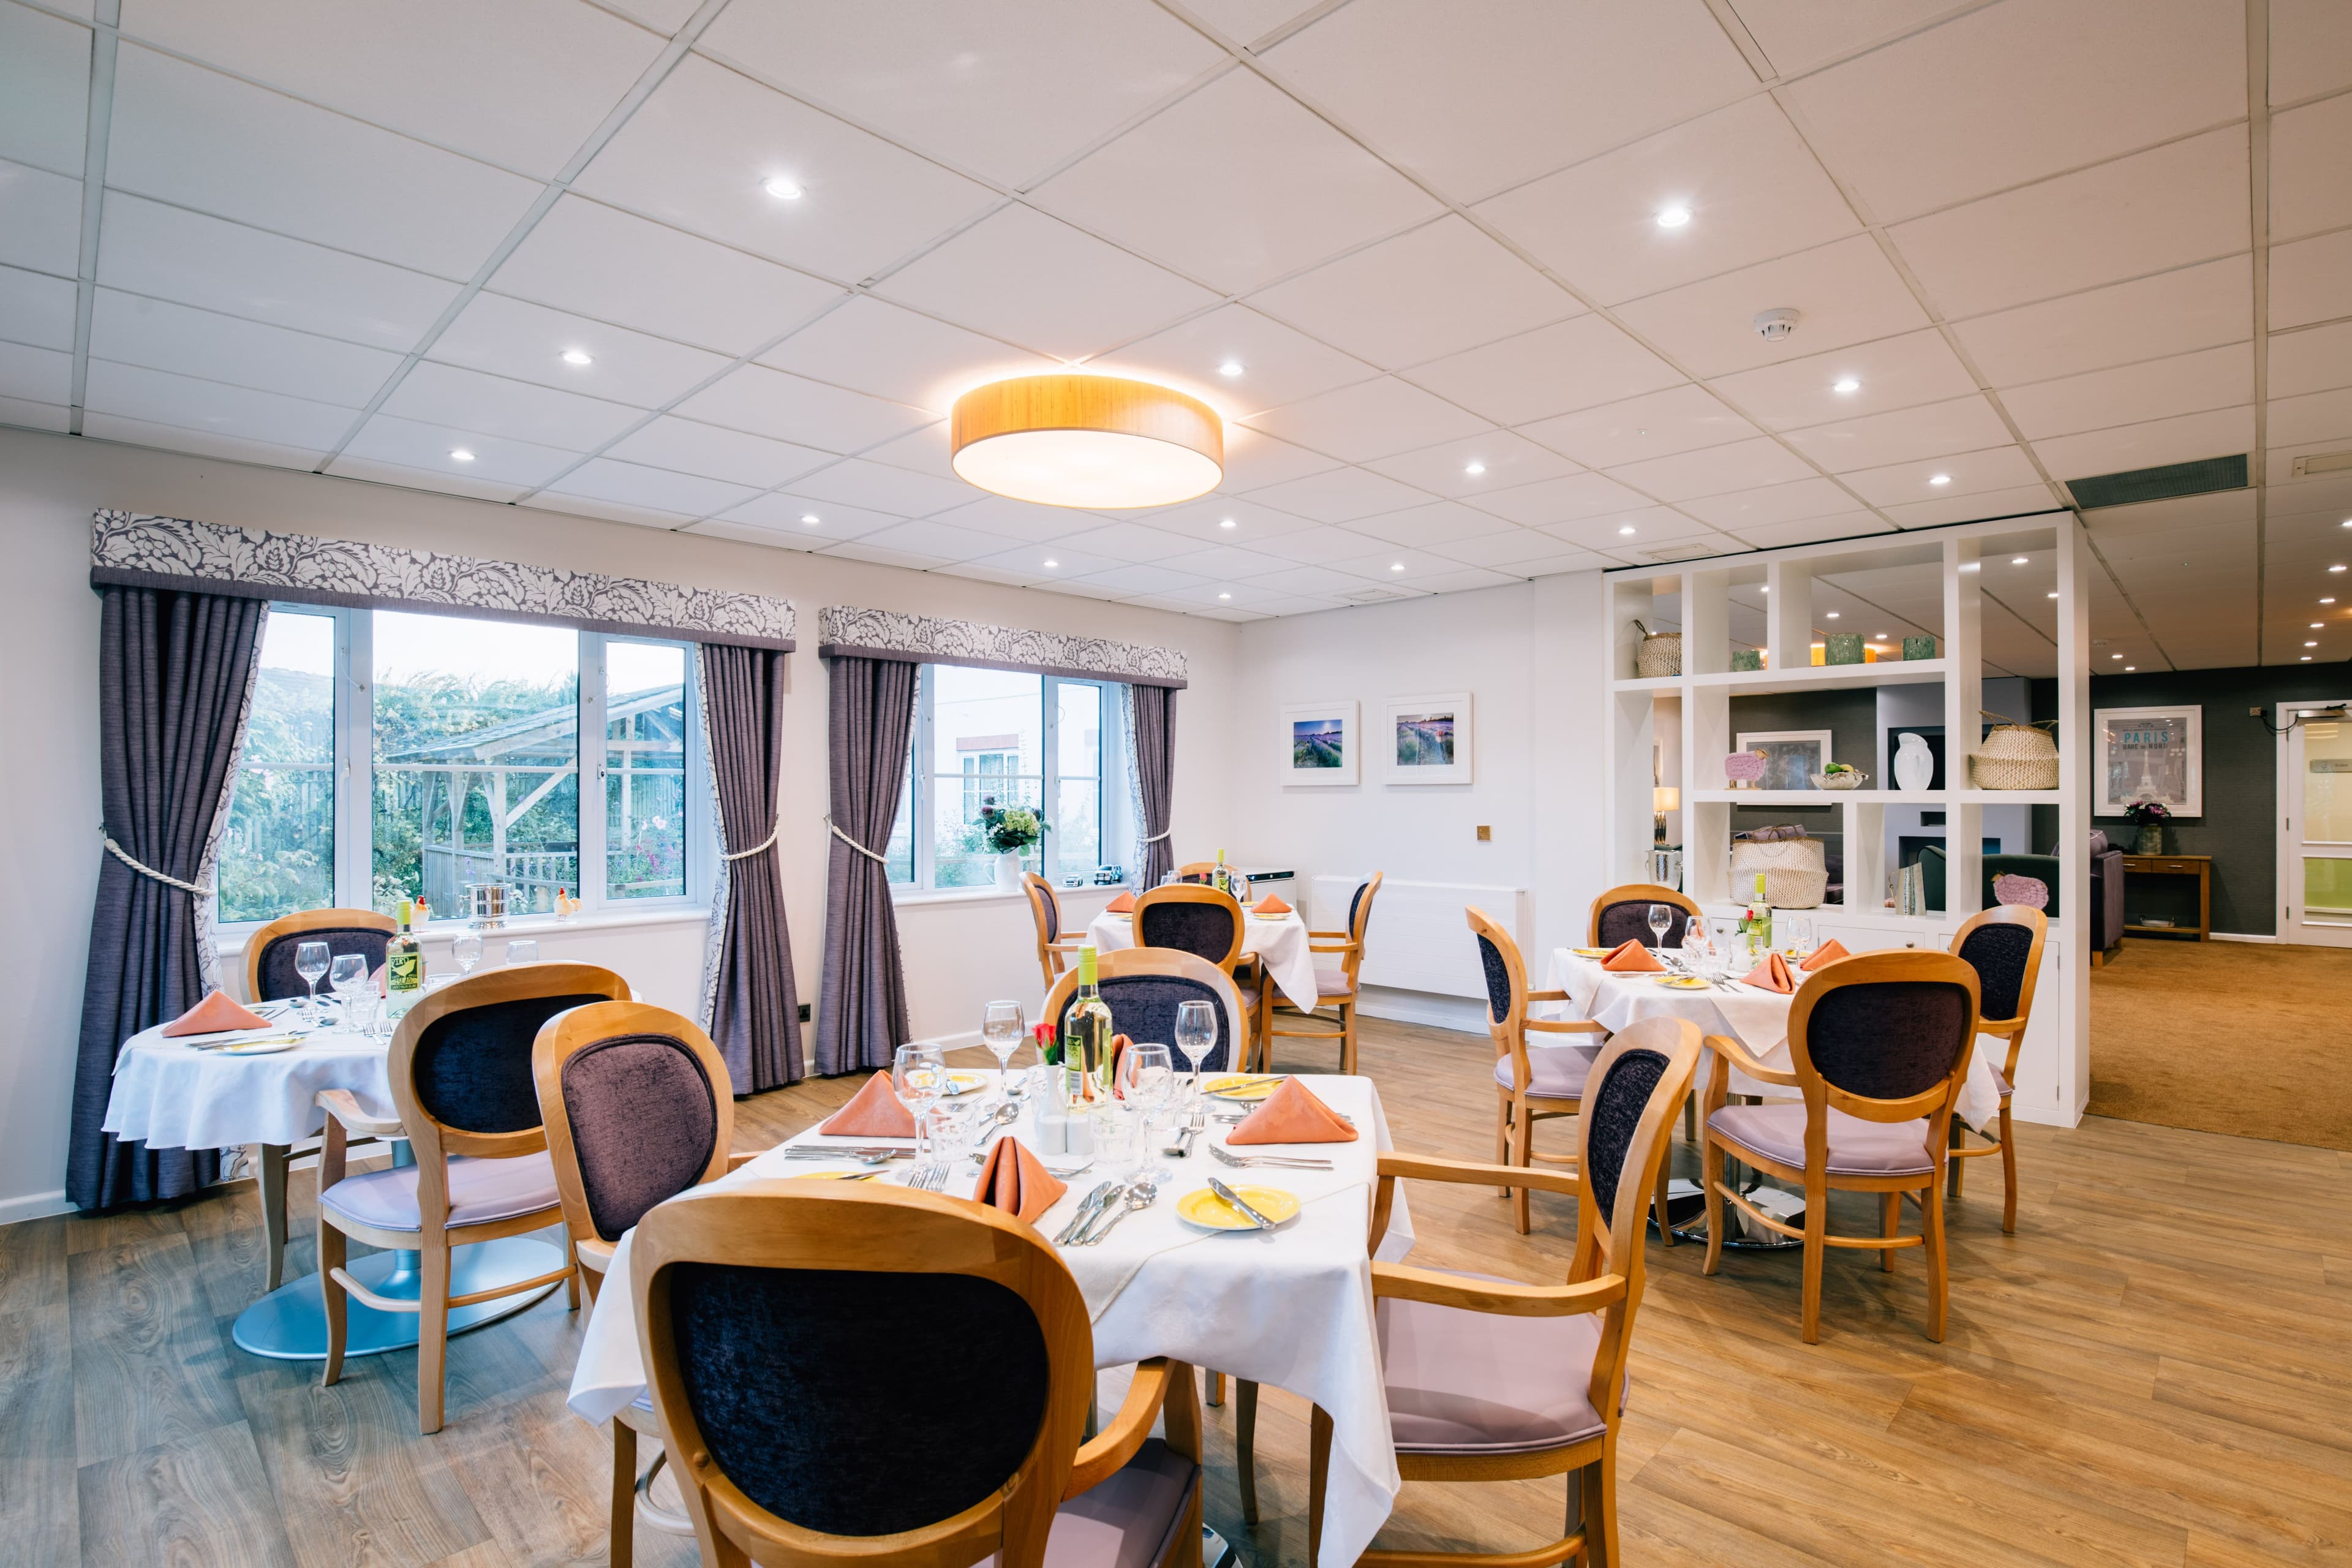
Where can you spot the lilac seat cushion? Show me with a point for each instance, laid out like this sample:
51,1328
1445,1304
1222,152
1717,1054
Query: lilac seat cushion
1857,1148
480,1191
2000,1082
1478,1382
1332,982
1130,1520
1555,1072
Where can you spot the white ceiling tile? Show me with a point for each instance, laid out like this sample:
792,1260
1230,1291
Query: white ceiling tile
1847,292
162,398
980,573
2314,417
608,510
1342,494
1055,584
2157,389
879,486
873,346
29,374
1739,512
792,408
2314,359
787,515
685,446
2311,280
1371,419
907,559
1501,459
699,150
1310,580
1253,460
1381,567
597,261
1893,372
193,137
2019,91
1753,189
1506,551
1813,530
2199,307
146,248
1559,500
925,451
2180,516
29,416
1133,542
1529,86
2310,178
160,335
1004,91
1226,564
498,460
40,219
1464,290
1650,527
1034,280
1020,520
1278,364
1432,527
37,308
942,540
1234,184
1553,565
1314,546
2166,208
493,405
2311,49
683,495
1711,470
1798,34
1143,579
43,90
1904,435
1969,473
1553,370
2158,441
664,16
1204,520
1028,562
352,464
99,424
1679,419
524,342
531,80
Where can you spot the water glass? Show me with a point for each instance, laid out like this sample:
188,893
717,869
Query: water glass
311,962
467,951
524,951
346,978
1696,945
919,1075
1662,920
1196,1035
1001,1029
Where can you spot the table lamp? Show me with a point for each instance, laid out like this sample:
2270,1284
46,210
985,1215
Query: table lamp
1664,799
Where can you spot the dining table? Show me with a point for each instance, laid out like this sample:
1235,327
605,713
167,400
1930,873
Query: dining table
1291,1307
1280,942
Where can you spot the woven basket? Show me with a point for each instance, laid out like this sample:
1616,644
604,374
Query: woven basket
2015,756
1661,653
1796,872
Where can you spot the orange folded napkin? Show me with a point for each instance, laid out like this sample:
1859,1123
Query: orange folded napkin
1017,1180
1292,1114
1828,952
1270,906
874,1111
216,1013
1773,975
1122,905
1630,957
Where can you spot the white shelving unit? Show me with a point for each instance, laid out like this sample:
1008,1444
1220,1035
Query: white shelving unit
2054,1073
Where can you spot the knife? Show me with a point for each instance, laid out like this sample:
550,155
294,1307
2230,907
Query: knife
1235,1198
1087,1207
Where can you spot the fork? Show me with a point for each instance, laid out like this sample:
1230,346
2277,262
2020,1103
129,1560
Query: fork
1284,1160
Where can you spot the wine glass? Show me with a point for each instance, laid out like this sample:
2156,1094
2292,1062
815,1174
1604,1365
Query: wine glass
524,951
1196,1032
467,951
918,1074
311,962
1146,1076
1662,919
1002,1026
345,977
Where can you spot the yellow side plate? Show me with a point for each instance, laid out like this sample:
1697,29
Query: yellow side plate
832,1175
1593,951
1683,983
1210,1212
964,1083
1242,1086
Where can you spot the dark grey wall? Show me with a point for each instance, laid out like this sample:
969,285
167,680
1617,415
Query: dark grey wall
1852,720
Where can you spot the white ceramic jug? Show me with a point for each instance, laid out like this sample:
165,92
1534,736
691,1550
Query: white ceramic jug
1915,765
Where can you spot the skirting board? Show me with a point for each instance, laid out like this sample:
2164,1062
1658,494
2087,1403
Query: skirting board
1458,1013
34,1205
2242,936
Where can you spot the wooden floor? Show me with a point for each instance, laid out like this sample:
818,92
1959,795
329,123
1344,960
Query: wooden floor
2156,1369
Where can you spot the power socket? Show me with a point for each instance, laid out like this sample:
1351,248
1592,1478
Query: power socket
1486,834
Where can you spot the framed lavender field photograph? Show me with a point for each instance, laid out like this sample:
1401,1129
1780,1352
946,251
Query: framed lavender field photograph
1321,743
1429,740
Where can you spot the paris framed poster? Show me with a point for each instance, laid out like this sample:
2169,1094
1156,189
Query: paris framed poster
2150,753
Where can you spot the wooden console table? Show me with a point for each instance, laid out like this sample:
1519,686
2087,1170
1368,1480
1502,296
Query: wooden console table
2198,866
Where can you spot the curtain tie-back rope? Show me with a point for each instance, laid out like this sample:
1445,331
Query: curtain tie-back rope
123,855
846,838
1159,836
766,843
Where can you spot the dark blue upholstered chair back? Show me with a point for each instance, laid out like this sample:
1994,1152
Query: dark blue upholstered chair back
1205,930
1629,920
1999,953
1889,1039
1611,1118
1355,903
276,968
1143,1008
472,1067
644,1123
1498,979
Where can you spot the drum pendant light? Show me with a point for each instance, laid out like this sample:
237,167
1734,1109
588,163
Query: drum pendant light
1094,441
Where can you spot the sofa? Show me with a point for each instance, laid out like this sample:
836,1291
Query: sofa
2106,887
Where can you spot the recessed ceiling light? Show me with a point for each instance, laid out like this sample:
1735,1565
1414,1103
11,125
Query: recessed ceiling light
809,517
2311,645
2307,658
2335,568
2017,561
1225,522
780,188
1396,565
1831,615
2326,601
1971,565
1474,467
1878,637
2129,668
2053,596
1051,564
1231,367
1225,596
1939,478
1768,587
1627,528
1845,384
577,356
1674,217
2115,656
2347,522
2314,625
459,455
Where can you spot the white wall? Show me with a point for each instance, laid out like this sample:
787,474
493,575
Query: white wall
1527,653
957,954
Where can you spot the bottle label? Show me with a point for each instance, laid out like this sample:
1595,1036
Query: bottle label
403,971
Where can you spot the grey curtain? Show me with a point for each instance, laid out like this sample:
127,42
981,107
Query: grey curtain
175,672
754,1011
861,1009
1151,742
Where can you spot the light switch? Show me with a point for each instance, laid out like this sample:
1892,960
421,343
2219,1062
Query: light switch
1486,834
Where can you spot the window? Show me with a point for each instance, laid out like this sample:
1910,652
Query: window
392,755
985,736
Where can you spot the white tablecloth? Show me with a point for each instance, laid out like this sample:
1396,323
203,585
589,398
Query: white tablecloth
172,1096
1760,1019
1280,942
1291,1307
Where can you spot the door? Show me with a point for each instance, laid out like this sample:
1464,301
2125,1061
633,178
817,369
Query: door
2316,827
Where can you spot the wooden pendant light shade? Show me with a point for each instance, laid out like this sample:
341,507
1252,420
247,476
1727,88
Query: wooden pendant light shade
1087,441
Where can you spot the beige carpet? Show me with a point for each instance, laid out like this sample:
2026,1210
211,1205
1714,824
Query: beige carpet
2225,1037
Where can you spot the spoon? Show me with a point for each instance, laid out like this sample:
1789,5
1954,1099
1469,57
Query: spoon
1142,1196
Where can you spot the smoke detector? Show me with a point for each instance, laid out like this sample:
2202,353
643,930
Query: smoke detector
1775,324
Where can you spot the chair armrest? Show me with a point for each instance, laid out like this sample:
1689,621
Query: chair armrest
1565,1026
1101,1456
737,1161
1729,1049
1401,1281
345,1108
1333,947
1340,934
1548,997
594,1255
1066,944
1473,1173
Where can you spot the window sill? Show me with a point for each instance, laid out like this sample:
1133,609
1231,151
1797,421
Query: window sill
517,928
905,897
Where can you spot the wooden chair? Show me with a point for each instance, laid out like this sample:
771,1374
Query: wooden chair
1195,870
1335,983
269,977
774,1319
1529,1086
1879,1042
1208,923
1142,985
638,1108
1624,913
461,1081
1055,951
2003,946
1494,1381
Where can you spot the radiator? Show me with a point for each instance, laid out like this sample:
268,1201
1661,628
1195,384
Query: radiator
1419,940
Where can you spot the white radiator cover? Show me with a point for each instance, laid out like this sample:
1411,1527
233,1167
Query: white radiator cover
1419,939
